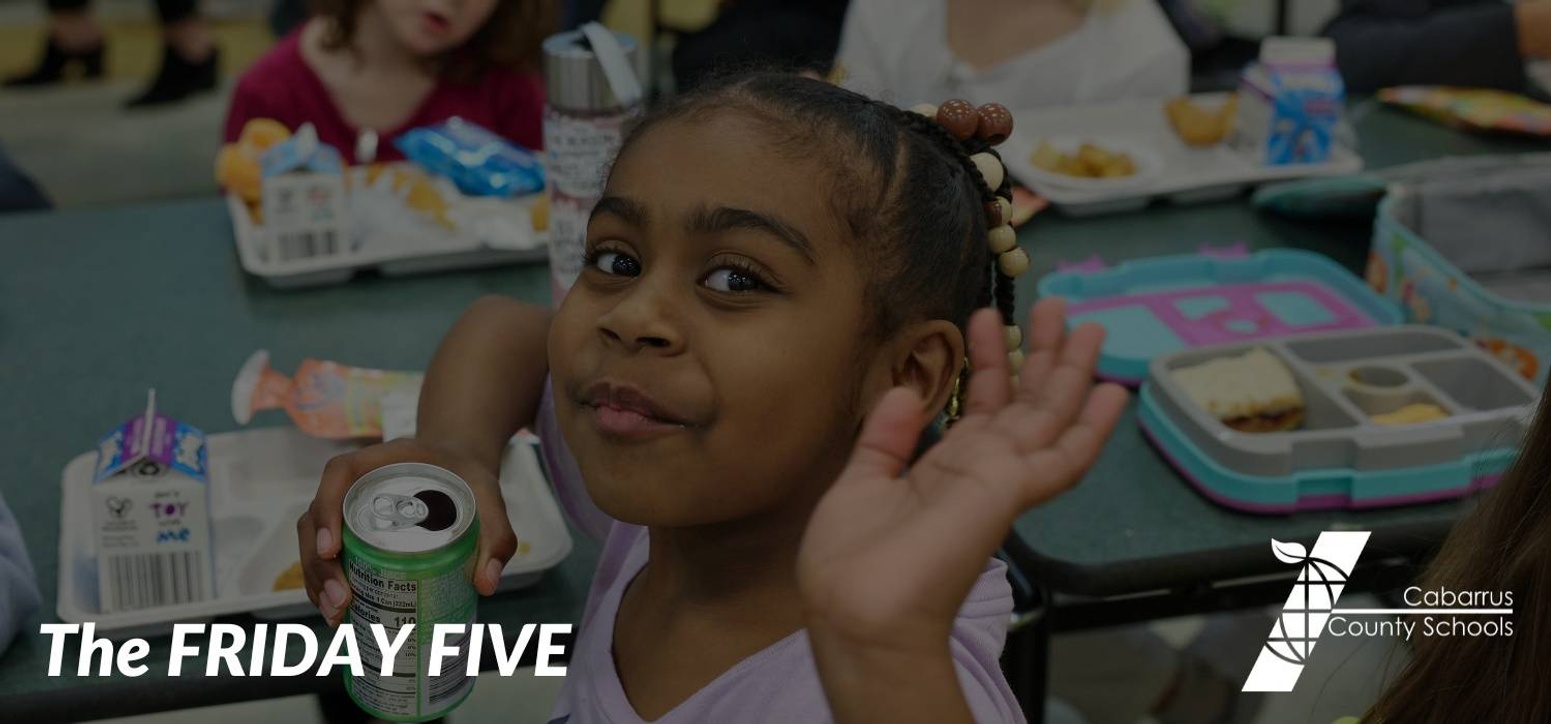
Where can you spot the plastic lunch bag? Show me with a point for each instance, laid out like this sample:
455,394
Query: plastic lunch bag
1472,252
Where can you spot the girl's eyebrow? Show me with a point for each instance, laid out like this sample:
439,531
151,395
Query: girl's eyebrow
626,209
722,218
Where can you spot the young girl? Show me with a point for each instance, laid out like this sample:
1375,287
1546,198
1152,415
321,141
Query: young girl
774,257
365,71
1024,53
1504,545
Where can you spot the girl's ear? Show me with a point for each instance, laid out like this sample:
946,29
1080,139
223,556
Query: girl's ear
930,355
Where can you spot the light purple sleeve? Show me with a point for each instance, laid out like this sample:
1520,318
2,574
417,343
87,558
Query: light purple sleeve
18,589
979,633
564,475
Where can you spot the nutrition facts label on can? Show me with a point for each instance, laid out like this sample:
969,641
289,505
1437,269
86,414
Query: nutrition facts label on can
396,600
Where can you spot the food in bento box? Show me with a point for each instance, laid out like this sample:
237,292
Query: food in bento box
290,578
1201,126
1411,414
1090,161
1253,392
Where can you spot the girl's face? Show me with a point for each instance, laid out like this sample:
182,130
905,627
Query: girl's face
709,363
432,27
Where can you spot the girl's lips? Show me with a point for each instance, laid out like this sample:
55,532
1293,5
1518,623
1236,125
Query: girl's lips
622,422
434,23
624,411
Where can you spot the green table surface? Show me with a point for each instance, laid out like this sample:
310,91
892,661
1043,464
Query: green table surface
98,305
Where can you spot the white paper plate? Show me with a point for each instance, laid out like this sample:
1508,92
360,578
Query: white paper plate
1148,164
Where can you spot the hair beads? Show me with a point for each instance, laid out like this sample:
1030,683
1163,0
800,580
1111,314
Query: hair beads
972,133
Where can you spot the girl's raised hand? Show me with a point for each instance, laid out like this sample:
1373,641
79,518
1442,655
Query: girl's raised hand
890,553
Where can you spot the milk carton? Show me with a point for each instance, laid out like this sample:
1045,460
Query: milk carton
303,197
151,509
1290,103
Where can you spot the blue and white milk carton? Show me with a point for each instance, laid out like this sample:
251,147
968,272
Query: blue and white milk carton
151,508
1290,103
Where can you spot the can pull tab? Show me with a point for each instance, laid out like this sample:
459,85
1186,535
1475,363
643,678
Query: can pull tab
392,512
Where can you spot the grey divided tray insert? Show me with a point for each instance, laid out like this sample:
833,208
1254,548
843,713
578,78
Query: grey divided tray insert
1396,366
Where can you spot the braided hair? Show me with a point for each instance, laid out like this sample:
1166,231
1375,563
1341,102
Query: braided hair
906,190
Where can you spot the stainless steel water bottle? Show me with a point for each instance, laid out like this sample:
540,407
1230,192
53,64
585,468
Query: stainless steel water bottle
594,90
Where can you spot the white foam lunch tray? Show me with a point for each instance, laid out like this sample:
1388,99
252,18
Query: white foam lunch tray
492,232
1187,175
260,482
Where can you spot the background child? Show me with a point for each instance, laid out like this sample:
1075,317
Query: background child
388,66
18,589
772,258
1023,53
1504,545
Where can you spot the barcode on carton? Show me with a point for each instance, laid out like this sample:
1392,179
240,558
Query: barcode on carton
151,580
310,244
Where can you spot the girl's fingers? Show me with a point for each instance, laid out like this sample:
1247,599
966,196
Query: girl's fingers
497,541
989,383
888,436
1046,333
1061,465
1036,419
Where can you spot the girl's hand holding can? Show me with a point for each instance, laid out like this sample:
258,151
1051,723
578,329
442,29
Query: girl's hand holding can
319,531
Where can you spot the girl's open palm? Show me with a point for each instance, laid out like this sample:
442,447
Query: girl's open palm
890,553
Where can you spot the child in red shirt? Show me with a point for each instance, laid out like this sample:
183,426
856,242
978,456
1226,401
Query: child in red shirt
363,72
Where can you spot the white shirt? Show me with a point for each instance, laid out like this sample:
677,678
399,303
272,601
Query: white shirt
897,51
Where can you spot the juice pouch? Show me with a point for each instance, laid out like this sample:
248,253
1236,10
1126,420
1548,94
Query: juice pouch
324,399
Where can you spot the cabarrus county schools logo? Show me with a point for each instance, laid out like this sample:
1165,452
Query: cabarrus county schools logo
1308,607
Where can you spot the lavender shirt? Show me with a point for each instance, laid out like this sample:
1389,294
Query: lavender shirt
777,684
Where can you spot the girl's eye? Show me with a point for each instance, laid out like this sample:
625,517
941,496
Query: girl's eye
613,262
730,279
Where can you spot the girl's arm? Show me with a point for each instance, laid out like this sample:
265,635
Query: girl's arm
486,380
891,553
484,384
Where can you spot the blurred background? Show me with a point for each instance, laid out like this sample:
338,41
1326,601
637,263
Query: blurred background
83,148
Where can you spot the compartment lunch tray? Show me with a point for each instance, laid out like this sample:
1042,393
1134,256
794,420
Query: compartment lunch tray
1157,306
1187,174
260,482
404,255
1339,457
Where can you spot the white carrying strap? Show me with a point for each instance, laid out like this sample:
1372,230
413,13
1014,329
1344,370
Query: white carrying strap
616,67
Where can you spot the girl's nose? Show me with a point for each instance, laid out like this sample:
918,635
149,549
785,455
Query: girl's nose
643,320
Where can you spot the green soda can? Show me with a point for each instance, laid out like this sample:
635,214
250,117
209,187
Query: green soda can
409,540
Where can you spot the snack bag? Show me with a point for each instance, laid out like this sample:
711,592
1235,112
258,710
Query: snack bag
1473,109
479,162
324,399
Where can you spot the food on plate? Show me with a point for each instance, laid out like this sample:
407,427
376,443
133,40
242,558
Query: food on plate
1201,126
1417,412
1090,161
237,166
1252,392
290,578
